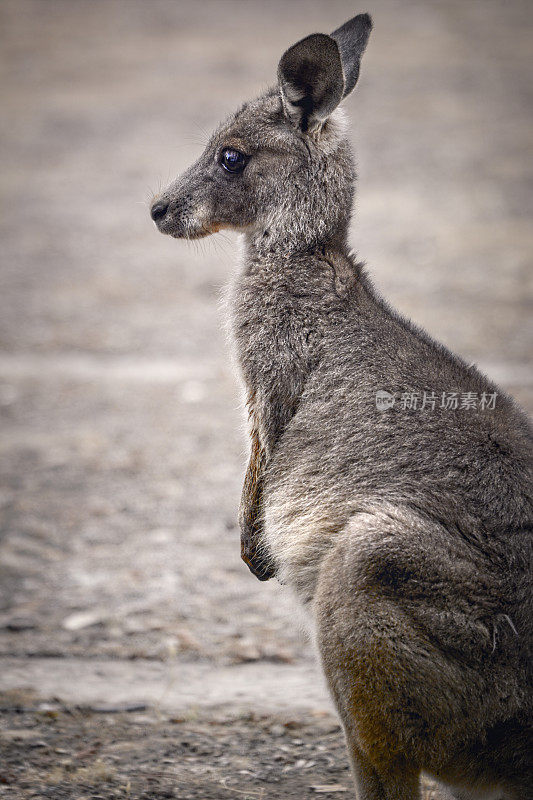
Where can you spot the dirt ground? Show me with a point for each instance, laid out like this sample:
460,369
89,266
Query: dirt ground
122,446
82,752
95,753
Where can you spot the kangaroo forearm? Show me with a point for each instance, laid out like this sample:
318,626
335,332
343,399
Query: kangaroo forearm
250,512
250,507
268,421
269,417
273,418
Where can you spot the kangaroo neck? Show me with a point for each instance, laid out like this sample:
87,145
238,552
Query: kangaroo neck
291,241
327,269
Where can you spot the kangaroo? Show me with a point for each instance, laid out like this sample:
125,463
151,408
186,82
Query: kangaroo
389,482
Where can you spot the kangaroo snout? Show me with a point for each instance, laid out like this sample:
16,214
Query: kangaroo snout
183,210
172,216
158,210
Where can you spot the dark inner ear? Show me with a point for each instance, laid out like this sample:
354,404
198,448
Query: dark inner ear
311,80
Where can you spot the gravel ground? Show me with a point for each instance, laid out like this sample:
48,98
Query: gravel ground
122,447
80,752
105,753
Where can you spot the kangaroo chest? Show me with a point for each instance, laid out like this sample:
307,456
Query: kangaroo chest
280,312
275,331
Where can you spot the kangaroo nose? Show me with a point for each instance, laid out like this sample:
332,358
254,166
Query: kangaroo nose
158,210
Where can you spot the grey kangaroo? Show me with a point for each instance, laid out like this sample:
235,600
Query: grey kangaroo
404,529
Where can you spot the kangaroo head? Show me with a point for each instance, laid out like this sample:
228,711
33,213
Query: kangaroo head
281,168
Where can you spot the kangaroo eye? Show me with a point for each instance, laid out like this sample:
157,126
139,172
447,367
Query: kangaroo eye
233,160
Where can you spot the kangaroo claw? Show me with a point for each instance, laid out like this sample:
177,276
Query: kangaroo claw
257,564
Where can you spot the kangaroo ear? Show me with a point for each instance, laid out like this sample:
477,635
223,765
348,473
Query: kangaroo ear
351,39
311,80
316,73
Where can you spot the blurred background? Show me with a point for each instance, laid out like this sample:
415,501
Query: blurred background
122,444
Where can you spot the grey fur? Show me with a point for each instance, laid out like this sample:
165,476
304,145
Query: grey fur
405,533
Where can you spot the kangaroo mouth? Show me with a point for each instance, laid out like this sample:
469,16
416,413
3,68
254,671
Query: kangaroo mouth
198,233
184,229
